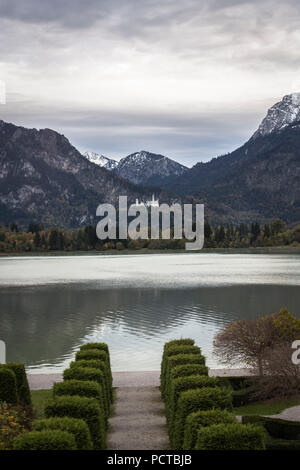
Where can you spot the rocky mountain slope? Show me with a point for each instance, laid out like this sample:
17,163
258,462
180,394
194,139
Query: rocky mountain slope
142,167
258,181
44,178
148,168
282,114
101,160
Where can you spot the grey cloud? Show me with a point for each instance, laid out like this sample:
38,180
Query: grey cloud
187,137
73,13
40,42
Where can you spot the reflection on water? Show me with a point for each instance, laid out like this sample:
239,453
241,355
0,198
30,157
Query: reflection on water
44,325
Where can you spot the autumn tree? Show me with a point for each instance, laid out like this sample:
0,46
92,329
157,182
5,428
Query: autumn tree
248,341
277,226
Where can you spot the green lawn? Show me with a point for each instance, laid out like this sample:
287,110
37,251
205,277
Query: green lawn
39,398
268,407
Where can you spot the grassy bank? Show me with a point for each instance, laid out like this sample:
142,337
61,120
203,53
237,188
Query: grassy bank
39,398
267,407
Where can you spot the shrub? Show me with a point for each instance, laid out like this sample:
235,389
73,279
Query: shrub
239,383
282,444
11,425
45,440
22,382
8,386
236,382
100,346
174,350
91,354
74,426
244,396
188,369
100,365
276,427
230,437
203,418
179,342
84,408
182,384
89,374
175,342
196,400
80,388
177,360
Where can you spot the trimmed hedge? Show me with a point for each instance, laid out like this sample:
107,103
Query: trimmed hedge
89,374
45,440
8,386
174,351
74,426
180,359
91,354
100,365
22,382
278,428
188,369
180,385
194,400
100,346
174,342
282,444
99,354
80,388
231,437
84,408
177,342
198,419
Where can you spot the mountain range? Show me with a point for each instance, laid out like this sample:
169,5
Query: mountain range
258,181
44,178
140,167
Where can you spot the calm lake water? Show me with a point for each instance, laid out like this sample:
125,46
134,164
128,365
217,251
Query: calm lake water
49,306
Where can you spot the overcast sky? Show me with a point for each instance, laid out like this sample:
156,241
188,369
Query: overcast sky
189,79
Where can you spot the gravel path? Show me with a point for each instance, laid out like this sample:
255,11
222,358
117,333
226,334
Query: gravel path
139,422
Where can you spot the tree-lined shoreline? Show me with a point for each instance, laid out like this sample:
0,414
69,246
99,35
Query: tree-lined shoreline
37,239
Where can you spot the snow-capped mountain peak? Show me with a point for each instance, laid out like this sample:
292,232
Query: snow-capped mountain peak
101,160
280,115
145,167
140,167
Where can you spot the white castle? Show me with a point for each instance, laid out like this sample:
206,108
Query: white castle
153,203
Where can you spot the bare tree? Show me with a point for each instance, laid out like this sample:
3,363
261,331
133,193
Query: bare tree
248,341
281,375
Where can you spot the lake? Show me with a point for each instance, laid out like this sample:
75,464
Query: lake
49,306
